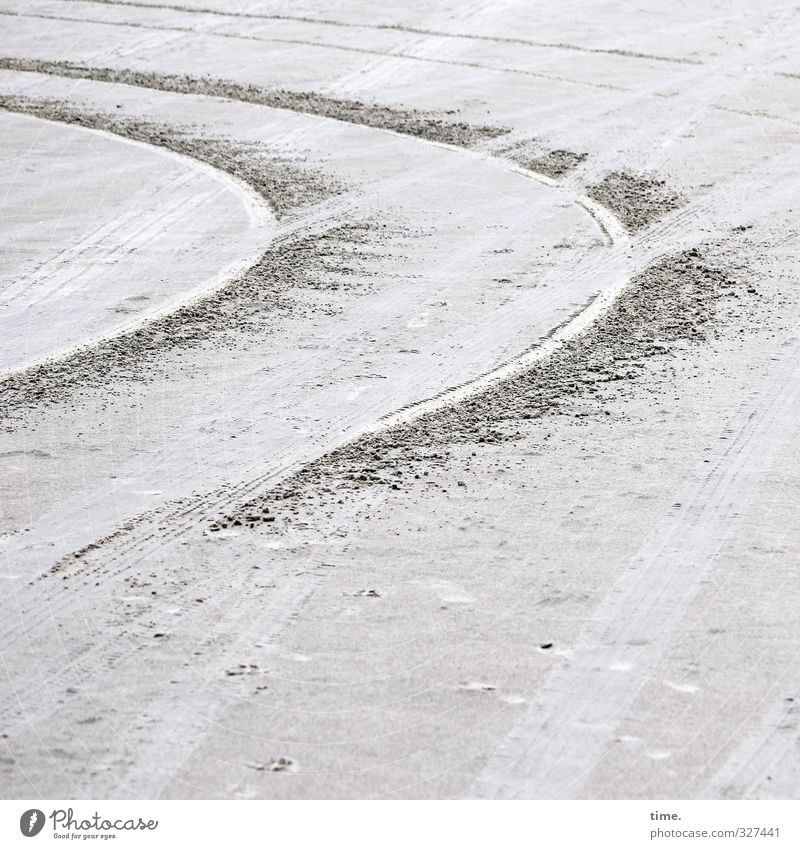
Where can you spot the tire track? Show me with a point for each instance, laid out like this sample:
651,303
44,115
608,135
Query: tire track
236,493
607,222
573,721
325,46
130,546
151,534
609,51
153,537
58,602
255,177
258,208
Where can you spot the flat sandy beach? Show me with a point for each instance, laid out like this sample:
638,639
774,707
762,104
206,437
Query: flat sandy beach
399,401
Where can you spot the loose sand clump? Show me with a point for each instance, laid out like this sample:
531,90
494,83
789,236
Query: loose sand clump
410,122
674,302
636,200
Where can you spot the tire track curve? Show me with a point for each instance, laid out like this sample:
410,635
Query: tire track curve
258,207
320,45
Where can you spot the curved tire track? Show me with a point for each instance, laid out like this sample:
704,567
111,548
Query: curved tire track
259,210
410,57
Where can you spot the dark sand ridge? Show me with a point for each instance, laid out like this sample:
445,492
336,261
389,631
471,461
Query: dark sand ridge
556,163
560,45
683,299
247,304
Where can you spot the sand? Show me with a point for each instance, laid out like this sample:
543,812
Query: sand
432,431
